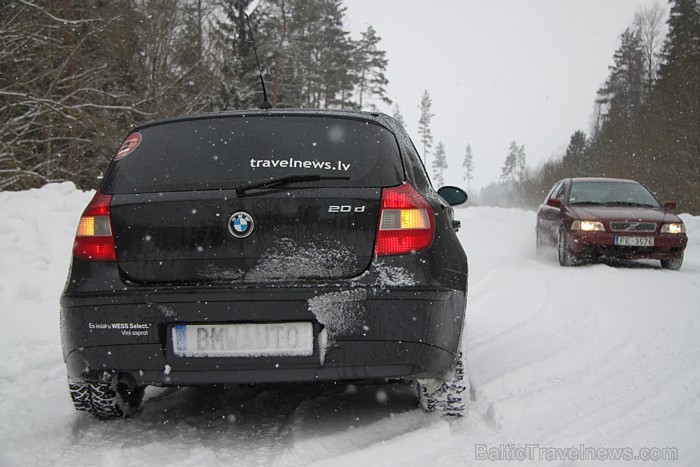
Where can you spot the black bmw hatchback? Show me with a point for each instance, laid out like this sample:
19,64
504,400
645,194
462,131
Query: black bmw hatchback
265,246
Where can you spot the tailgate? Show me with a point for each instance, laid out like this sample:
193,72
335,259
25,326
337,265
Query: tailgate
317,233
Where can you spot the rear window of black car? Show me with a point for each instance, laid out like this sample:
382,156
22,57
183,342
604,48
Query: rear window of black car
226,152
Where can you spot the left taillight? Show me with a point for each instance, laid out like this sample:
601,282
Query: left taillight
406,222
94,240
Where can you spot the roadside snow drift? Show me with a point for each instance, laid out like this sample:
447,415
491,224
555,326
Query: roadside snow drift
569,366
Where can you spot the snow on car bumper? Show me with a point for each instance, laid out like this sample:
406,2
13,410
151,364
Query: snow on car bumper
359,333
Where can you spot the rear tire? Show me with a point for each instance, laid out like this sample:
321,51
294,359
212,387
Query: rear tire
104,401
448,397
673,264
566,257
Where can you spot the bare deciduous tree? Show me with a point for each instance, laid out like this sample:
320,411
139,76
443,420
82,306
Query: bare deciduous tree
649,23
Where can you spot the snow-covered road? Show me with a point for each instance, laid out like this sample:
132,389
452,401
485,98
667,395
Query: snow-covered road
586,358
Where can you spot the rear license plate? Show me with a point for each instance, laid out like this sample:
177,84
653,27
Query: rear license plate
634,241
243,340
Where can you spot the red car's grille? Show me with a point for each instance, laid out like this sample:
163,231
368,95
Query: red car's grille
633,226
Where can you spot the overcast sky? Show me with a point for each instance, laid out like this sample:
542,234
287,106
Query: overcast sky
497,70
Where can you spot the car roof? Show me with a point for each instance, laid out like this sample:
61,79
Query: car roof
377,117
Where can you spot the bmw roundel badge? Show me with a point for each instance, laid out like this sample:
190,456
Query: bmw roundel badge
241,224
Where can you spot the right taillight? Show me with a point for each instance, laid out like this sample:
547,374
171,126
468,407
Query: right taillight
94,240
406,223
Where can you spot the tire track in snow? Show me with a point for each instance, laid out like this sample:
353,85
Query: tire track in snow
611,370
589,357
193,426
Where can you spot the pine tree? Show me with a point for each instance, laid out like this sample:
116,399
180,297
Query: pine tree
371,63
398,116
439,164
426,136
315,62
682,43
335,58
625,91
468,166
520,160
509,171
624,96
575,157
237,71
676,113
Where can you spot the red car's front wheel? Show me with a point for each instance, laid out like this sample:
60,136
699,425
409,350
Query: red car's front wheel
566,256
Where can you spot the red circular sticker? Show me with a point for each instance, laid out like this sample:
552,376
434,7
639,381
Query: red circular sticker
128,146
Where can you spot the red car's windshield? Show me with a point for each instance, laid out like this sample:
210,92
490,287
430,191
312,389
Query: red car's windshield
605,193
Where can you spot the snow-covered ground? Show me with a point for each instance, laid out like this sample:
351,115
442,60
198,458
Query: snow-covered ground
575,359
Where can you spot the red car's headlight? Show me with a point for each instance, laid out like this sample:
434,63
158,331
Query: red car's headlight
674,228
588,226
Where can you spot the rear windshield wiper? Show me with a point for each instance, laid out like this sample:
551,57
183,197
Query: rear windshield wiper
282,181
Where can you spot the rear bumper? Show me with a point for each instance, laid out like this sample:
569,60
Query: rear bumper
603,244
366,332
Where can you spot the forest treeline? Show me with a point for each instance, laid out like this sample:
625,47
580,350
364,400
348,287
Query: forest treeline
647,114
76,75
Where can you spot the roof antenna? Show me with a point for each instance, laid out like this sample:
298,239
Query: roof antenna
266,104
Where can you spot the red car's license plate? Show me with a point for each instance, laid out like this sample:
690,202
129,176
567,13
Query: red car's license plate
634,241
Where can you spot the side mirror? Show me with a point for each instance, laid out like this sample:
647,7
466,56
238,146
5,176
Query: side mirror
554,202
669,205
453,195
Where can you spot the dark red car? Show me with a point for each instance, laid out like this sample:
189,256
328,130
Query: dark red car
588,218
